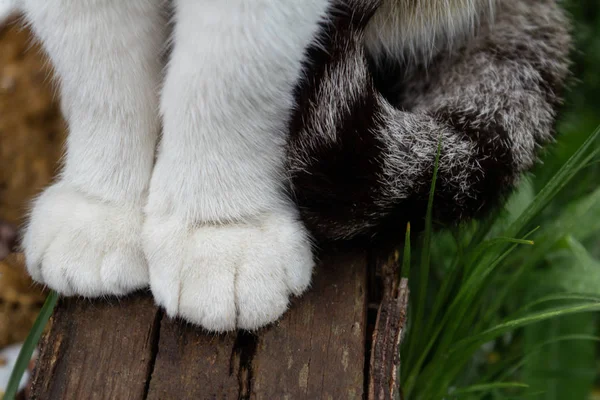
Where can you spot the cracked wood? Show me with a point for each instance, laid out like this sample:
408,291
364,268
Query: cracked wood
316,351
127,349
97,350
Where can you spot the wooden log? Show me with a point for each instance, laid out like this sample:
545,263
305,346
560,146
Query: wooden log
191,364
315,351
130,350
318,350
385,354
97,350
384,365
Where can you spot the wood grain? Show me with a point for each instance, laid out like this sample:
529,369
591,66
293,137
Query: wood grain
384,366
129,350
97,350
192,364
316,351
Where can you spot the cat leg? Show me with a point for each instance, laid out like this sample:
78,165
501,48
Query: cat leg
84,232
360,165
224,242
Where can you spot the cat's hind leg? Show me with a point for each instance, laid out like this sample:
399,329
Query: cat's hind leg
225,246
361,166
84,232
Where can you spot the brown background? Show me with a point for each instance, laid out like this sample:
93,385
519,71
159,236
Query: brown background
31,137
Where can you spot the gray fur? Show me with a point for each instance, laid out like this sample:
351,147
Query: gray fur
415,30
490,94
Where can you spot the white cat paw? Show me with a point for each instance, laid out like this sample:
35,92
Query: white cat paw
228,276
80,246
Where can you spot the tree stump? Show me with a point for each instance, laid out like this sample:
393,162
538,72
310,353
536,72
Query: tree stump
321,349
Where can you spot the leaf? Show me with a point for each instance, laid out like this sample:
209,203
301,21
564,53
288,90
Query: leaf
565,369
406,255
573,270
486,387
584,154
29,346
419,301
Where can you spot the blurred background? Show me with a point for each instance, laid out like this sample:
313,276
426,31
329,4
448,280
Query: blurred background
31,138
32,134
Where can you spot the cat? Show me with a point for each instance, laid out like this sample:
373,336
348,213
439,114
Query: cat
273,124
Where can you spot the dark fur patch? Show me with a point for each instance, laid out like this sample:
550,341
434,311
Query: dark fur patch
340,183
489,183
338,190
336,186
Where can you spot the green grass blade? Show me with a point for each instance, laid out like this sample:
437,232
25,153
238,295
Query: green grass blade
486,387
448,325
448,366
563,297
577,219
512,324
426,254
469,291
516,364
29,346
586,152
406,256
415,338
475,257
442,297
505,368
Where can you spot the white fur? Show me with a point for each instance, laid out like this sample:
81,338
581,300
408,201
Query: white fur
226,102
84,232
77,245
7,9
217,208
232,275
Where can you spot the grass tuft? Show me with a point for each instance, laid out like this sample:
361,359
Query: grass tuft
484,288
